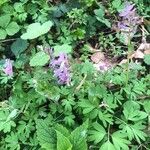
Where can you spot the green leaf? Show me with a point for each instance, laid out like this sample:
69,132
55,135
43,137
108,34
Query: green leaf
12,28
97,134
3,34
5,122
65,48
147,59
132,111
99,12
12,141
19,46
4,21
107,146
116,4
46,135
62,130
134,131
78,137
63,142
120,141
35,30
40,59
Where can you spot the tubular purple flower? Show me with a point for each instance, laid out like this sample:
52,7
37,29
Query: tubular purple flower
61,68
129,9
8,68
129,18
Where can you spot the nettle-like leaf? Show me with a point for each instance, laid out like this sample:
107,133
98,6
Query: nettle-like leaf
19,46
46,135
65,48
63,142
120,141
39,59
78,137
35,30
97,134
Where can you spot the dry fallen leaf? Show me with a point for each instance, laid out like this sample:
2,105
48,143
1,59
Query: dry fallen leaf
124,61
147,52
97,57
144,46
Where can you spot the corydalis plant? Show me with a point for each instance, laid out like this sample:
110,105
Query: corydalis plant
8,68
129,21
61,68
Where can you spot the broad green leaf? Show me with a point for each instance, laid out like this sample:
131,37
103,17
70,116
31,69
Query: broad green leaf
97,134
63,142
12,28
19,46
46,135
4,21
65,48
116,4
78,137
3,34
35,30
40,59
62,130
120,141
107,146
147,59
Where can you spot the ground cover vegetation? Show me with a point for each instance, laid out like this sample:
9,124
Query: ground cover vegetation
74,75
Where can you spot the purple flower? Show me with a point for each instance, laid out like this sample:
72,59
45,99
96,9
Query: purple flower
128,10
129,18
61,68
8,69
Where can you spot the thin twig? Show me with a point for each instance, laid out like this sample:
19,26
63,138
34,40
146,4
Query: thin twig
81,83
7,40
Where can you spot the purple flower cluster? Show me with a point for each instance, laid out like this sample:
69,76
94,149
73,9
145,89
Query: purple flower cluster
129,17
61,68
8,69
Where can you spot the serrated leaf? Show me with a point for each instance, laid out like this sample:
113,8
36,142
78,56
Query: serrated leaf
120,141
19,46
147,59
62,130
3,34
97,134
12,28
35,30
63,142
4,21
78,137
40,59
46,135
107,146
116,3
65,48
